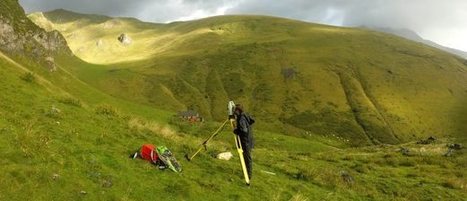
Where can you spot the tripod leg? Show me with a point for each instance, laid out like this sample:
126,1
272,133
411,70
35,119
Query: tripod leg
238,144
206,141
192,156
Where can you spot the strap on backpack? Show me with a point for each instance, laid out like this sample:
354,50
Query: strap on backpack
152,156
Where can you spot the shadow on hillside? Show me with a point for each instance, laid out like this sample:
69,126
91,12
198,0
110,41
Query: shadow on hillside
462,121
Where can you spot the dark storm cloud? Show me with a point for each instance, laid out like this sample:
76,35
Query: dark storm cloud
148,10
444,21
420,15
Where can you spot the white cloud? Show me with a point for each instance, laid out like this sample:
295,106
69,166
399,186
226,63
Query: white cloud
449,37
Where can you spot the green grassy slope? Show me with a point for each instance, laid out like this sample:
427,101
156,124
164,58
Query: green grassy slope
49,155
61,139
80,152
85,142
297,77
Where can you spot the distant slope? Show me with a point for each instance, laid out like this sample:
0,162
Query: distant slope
43,54
97,41
411,35
297,77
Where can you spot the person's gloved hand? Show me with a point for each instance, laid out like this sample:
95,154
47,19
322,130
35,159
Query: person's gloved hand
236,131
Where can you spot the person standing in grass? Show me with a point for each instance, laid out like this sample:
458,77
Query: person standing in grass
245,131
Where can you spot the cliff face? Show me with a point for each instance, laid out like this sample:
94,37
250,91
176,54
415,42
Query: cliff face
19,37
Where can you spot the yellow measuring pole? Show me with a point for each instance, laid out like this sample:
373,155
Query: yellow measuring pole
240,153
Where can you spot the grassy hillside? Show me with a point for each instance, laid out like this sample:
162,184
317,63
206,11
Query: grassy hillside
297,77
67,149
76,152
62,139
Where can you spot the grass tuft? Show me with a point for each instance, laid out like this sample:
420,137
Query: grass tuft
71,101
159,129
28,77
107,110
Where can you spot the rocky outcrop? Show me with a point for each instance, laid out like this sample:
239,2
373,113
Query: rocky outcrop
99,43
124,39
12,40
20,37
7,36
51,41
50,61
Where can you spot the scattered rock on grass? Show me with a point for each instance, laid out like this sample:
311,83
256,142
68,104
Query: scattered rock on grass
124,39
348,179
454,146
55,110
55,176
449,152
405,151
107,183
429,140
225,156
99,43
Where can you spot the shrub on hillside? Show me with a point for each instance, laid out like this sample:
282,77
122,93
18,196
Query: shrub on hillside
107,110
28,77
361,168
156,128
53,112
71,101
32,141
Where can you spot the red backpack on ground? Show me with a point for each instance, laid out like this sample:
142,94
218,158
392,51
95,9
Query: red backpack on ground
148,152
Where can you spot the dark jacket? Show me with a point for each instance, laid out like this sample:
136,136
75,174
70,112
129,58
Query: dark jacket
244,129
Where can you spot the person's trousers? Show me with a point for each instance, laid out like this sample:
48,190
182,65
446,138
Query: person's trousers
247,156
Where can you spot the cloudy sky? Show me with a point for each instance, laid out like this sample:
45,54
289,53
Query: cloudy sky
442,21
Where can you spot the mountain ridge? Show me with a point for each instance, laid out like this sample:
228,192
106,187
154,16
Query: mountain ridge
405,33
173,65
412,35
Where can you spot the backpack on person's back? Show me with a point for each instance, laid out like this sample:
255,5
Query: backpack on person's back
250,121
